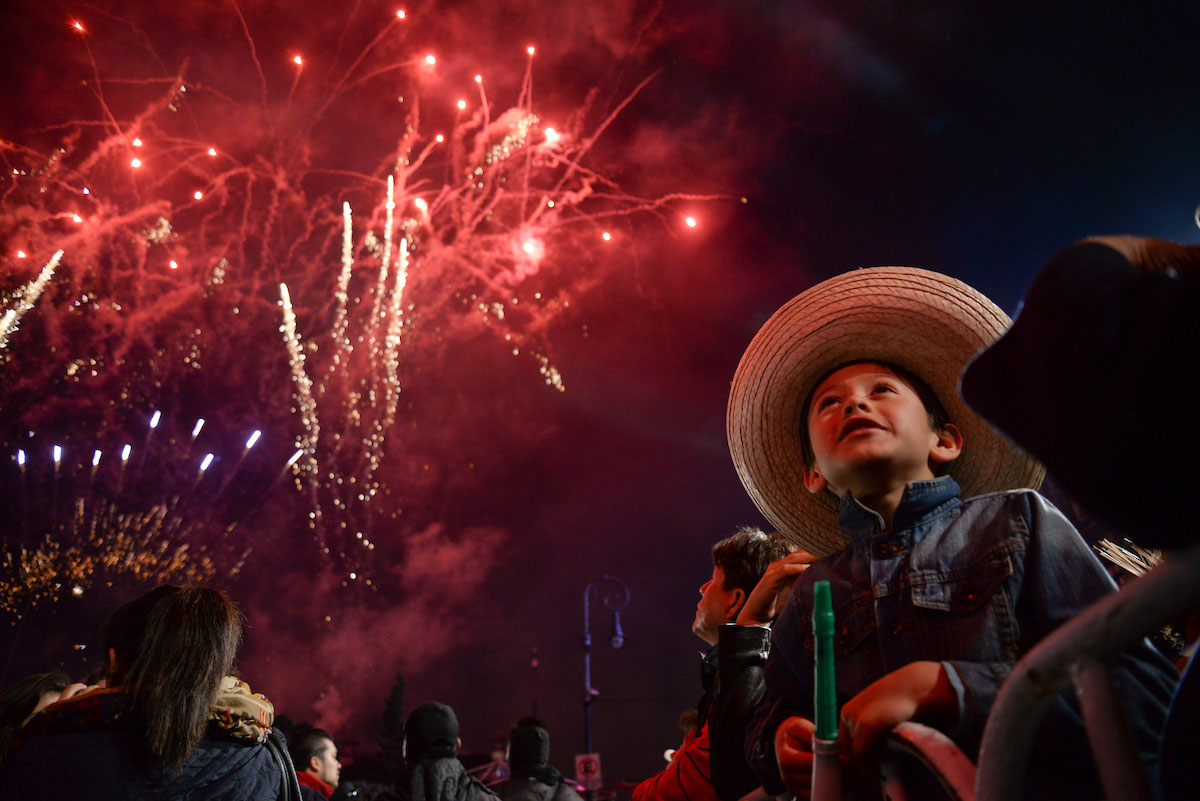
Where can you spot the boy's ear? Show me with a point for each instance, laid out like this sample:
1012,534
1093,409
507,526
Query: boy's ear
947,445
814,482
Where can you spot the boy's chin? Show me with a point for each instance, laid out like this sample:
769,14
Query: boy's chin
869,475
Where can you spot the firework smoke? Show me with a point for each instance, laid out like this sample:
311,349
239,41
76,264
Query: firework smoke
434,242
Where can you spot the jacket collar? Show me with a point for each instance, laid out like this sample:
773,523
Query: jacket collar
309,780
921,500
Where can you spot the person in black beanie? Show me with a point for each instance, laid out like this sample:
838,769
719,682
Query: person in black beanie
431,745
533,778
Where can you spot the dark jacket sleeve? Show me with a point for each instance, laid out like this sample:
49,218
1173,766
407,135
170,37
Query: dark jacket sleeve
738,698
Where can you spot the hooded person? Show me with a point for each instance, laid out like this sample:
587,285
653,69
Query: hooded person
431,746
533,778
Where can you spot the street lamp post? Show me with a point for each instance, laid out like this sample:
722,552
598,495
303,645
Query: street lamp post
614,594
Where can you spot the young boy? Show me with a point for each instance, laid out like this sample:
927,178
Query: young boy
847,430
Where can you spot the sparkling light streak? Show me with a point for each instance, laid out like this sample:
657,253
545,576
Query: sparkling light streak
253,439
154,418
29,296
110,533
208,459
494,226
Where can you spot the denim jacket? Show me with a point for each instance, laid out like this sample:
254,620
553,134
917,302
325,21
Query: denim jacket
973,584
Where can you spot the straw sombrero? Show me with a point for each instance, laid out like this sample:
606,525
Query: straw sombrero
925,322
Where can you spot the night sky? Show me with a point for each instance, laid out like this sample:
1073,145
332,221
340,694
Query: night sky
967,137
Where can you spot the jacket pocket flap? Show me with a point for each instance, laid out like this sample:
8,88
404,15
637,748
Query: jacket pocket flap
964,592
853,622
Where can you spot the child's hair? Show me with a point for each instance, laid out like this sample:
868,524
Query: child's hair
938,419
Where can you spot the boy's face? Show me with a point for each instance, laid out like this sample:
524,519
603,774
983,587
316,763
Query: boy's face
870,432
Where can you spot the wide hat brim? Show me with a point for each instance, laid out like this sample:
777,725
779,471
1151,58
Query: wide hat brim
925,322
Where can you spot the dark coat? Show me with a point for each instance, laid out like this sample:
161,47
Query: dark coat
112,764
441,780
534,790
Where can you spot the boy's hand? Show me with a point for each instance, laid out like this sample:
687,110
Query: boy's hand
767,599
919,690
793,752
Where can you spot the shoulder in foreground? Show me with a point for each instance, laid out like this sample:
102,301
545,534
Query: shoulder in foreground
1022,496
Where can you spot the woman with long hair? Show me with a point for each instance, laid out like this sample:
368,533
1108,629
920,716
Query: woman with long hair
157,730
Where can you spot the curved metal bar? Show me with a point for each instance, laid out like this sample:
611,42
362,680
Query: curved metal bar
939,755
1106,627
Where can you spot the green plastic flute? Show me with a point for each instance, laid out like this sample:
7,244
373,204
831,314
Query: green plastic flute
827,772
825,697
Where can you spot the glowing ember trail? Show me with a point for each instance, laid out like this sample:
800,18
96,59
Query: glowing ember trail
187,197
28,297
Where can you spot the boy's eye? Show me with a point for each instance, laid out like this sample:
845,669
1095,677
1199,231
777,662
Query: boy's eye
884,388
826,402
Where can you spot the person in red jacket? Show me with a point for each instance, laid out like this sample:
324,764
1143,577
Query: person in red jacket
739,561
315,756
